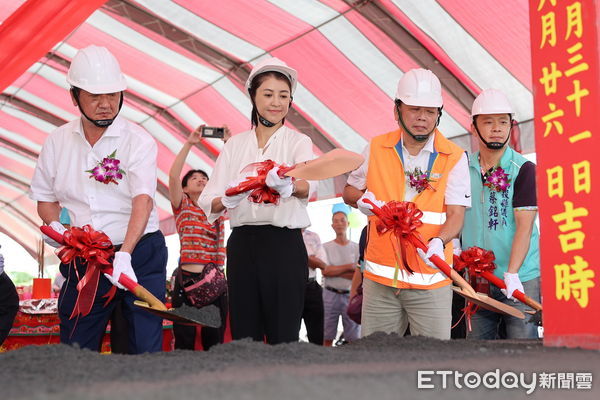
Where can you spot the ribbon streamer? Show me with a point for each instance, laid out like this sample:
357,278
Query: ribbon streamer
95,248
475,260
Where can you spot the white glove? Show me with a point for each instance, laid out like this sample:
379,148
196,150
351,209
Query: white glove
435,248
283,186
58,227
367,208
121,265
512,283
235,200
456,247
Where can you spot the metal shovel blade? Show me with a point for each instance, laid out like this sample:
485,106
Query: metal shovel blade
484,301
208,316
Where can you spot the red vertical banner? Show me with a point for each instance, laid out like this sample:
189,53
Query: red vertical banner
565,58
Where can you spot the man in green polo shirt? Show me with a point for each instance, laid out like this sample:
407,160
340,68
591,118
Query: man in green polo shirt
502,215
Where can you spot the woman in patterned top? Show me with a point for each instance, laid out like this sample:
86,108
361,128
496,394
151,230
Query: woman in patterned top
201,243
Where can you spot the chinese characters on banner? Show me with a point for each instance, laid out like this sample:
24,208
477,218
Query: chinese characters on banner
565,59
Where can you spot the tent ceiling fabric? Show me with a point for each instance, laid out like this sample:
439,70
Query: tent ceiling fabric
186,63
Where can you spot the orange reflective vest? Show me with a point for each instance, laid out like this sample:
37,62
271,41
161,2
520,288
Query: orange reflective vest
386,179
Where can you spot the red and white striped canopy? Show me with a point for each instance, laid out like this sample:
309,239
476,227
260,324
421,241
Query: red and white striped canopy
186,62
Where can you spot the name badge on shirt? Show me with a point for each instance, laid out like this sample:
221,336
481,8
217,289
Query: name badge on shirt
436,176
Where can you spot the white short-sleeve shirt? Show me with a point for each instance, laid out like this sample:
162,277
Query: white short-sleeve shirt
60,175
285,146
314,247
458,188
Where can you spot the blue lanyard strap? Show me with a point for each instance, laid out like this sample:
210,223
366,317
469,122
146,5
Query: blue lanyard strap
432,157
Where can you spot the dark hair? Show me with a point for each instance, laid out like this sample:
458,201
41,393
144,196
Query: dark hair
189,174
255,84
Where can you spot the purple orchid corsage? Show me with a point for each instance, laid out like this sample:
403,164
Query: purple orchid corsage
496,179
418,180
108,170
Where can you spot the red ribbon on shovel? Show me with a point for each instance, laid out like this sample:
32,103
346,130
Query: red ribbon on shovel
96,249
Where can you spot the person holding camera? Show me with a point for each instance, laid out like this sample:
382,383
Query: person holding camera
266,256
201,247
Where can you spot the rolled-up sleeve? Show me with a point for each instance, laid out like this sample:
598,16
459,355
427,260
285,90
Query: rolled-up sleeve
142,168
42,183
458,189
358,177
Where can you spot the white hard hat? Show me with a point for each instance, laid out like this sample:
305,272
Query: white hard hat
274,64
420,87
491,101
96,70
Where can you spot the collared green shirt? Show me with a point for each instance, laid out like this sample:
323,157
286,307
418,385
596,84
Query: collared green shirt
490,222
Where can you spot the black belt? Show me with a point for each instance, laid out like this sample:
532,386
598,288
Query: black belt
144,237
338,291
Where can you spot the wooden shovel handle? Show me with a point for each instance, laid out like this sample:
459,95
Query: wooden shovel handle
517,294
139,291
445,268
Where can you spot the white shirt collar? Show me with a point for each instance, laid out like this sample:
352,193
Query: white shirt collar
114,130
428,146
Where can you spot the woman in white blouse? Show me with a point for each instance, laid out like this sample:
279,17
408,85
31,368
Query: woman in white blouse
266,256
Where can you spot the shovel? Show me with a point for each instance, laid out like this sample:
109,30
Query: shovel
466,290
207,316
536,315
333,163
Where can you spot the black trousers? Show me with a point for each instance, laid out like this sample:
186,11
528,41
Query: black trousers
266,275
313,314
9,305
119,338
185,335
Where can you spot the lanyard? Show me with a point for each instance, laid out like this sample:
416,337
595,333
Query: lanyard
432,157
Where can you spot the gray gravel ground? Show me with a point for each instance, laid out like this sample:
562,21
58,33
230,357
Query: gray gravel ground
375,368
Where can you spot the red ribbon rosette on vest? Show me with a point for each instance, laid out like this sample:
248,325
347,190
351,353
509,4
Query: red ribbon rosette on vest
256,185
96,249
402,218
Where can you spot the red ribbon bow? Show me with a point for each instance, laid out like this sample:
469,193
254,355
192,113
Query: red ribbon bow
257,186
402,218
476,260
96,249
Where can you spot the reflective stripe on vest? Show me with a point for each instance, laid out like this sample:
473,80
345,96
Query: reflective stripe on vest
433,218
385,178
414,279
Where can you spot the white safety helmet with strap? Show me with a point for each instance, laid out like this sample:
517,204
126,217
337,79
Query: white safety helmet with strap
274,64
95,70
419,88
492,101
271,65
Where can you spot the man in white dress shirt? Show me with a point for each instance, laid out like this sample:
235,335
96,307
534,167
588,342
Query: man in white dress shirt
102,168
